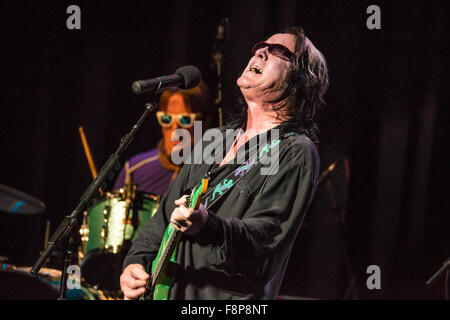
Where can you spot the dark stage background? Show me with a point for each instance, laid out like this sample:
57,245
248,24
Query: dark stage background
387,115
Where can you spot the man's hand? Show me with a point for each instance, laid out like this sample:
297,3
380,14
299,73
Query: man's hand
188,221
133,281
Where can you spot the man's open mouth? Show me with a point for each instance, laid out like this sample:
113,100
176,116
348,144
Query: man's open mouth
256,69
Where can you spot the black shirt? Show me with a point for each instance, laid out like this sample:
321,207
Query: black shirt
243,249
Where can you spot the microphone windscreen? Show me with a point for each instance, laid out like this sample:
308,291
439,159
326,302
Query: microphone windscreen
191,76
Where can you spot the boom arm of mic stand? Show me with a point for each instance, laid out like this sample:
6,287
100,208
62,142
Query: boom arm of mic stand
70,221
445,267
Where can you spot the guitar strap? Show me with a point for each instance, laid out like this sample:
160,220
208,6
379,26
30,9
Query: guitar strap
214,194
208,200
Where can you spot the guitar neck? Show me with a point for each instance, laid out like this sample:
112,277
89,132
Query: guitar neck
164,260
192,201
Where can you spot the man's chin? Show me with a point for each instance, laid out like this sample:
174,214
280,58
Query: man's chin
244,82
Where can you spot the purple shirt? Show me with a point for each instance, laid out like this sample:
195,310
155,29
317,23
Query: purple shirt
152,177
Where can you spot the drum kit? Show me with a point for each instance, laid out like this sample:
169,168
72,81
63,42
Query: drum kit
107,230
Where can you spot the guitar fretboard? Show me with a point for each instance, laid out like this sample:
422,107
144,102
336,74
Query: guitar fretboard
171,243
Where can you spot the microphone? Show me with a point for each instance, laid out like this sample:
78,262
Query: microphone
185,78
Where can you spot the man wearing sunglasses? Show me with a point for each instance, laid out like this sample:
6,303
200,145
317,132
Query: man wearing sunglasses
152,171
239,247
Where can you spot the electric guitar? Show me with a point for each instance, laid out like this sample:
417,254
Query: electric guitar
159,285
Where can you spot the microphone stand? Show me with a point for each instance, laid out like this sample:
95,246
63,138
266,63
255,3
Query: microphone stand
66,227
340,211
217,56
444,269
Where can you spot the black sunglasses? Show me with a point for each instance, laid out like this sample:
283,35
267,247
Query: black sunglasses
276,49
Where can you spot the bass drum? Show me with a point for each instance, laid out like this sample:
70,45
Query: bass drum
110,233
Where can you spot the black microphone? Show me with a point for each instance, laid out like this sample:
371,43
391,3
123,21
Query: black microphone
185,78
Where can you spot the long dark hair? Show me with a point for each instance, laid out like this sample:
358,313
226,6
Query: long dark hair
301,95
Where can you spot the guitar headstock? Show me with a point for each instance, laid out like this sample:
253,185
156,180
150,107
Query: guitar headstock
198,191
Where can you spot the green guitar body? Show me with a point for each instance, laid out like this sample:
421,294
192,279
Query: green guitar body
161,288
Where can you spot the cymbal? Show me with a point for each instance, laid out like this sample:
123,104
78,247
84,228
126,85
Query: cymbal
17,202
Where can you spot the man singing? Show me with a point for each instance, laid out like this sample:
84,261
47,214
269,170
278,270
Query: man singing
238,248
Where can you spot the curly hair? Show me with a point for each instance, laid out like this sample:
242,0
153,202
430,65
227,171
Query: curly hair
301,94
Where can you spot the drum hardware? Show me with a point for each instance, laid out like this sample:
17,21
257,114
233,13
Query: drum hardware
47,233
84,236
106,214
128,195
130,219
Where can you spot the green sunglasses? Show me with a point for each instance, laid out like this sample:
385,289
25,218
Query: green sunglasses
184,120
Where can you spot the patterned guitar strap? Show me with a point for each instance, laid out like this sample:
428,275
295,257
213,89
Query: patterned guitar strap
214,194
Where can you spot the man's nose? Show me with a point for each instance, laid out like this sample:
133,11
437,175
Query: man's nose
262,53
